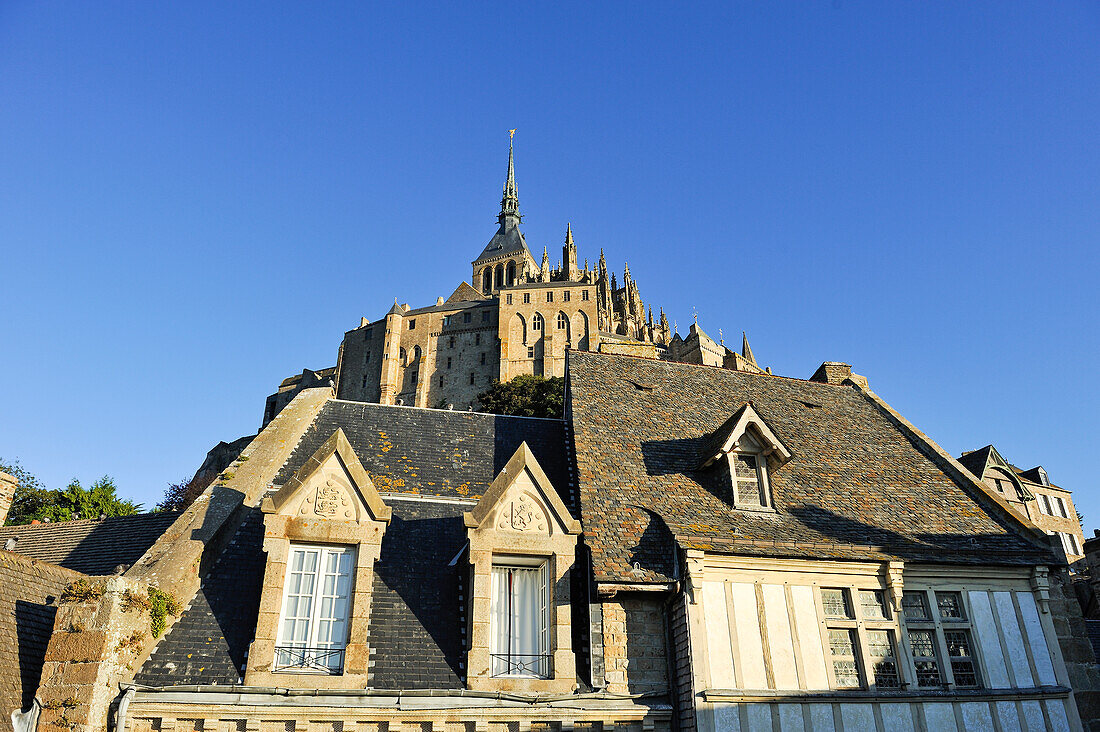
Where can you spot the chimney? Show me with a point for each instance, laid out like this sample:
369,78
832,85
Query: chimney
7,492
832,372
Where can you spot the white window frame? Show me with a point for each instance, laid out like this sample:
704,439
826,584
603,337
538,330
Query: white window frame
503,662
315,656
1059,506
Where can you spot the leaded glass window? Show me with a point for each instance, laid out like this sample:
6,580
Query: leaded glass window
835,603
915,606
873,604
884,664
962,660
842,650
922,643
950,607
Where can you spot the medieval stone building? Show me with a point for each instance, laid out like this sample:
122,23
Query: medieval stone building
519,316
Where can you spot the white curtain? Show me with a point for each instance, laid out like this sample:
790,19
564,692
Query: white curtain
518,621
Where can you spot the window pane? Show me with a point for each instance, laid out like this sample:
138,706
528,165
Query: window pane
518,622
746,466
950,606
884,669
748,493
915,606
842,647
923,645
835,603
958,643
965,677
873,604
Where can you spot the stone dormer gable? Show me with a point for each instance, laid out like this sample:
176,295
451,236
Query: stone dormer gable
326,522
522,499
987,463
744,425
331,485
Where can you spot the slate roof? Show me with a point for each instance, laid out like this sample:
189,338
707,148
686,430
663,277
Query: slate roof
90,546
209,643
508,240
434,464
856,488
434,451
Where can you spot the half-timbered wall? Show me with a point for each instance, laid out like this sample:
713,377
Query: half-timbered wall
762,657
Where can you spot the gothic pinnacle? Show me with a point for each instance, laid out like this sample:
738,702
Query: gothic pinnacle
746,351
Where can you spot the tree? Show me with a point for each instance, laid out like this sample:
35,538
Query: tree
178,496
526,396
34,501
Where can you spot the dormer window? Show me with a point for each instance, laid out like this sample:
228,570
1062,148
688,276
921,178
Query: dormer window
750,449
748,471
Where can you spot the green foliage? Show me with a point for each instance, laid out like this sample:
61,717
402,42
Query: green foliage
34,501
526,396
161,605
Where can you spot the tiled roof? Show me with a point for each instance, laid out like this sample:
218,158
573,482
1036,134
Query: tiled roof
415,635
856,488
90,546
434,451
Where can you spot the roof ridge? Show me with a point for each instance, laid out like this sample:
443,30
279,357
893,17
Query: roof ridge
701,366
450,411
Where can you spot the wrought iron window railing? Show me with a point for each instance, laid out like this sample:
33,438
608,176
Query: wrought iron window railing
296,658
520,664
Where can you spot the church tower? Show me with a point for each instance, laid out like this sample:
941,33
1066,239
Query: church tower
506,259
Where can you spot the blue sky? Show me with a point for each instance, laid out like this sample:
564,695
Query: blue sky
198,199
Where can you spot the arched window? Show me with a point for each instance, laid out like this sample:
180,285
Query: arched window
487,280
511,273
563,322
403,357
536,322
499,277
416,353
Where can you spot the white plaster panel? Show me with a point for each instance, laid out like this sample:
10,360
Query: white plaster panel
1033,716
809,638
749,646
857,717
897,717
940,716
1014,639
1010,718
976,716
821,718
1033,630
726,718
719,651
760,717
1056,710
989,640
780,642
790,718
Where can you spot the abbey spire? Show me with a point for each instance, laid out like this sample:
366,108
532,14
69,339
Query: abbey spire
509,203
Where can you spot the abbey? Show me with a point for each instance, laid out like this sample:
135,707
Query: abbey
518,317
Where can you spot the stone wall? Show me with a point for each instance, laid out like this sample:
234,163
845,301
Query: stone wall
94,644
7,491
1081,662
29,592
527,350
635,644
